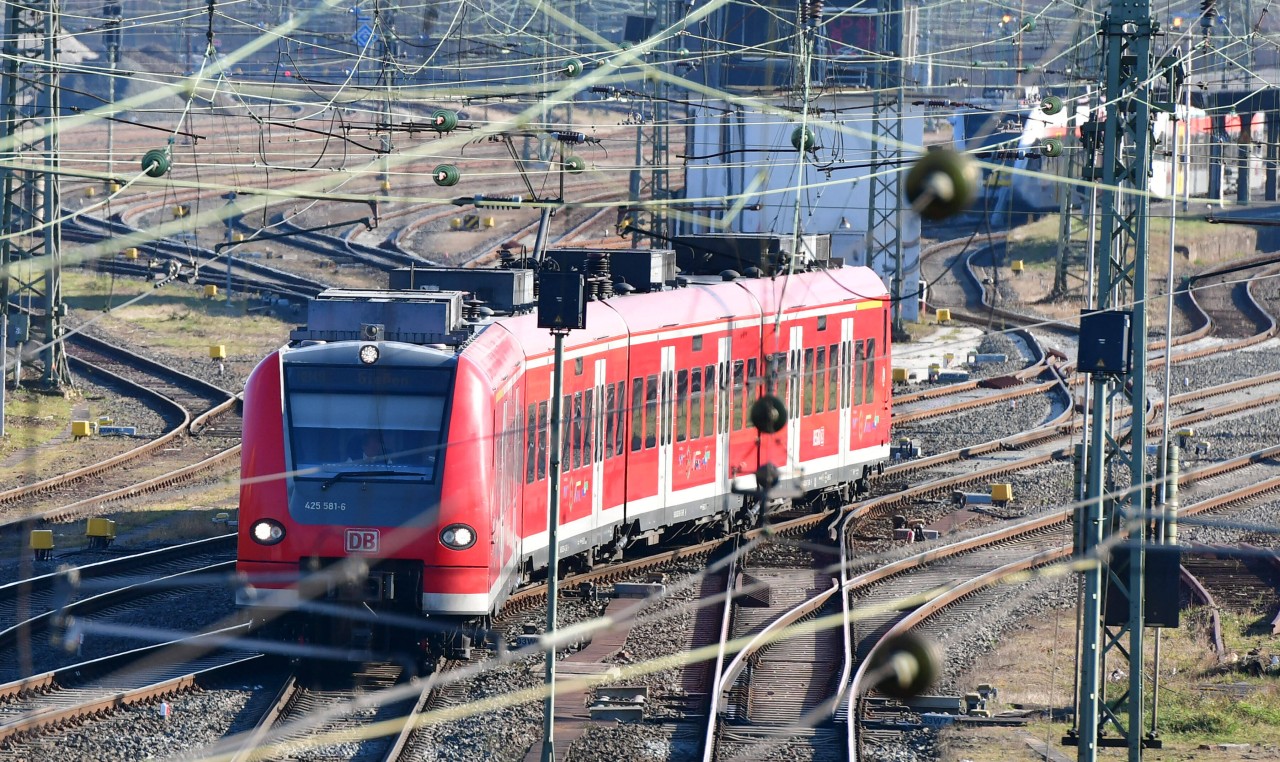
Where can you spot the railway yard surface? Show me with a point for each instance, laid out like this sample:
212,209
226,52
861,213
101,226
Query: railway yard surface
745,648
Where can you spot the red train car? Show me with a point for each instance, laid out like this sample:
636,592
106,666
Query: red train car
406,449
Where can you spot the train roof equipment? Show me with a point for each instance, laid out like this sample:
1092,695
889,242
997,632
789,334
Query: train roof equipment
412,317
771,254
507,291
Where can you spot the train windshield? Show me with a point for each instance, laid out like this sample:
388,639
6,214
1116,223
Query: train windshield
389,420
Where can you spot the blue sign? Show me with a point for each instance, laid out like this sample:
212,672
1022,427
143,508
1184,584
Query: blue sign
364,34
364,31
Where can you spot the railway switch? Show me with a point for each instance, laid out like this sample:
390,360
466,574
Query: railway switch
42,543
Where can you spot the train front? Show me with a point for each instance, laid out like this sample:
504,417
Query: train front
342,476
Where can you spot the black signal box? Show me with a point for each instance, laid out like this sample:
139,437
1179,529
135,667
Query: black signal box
562,304
1104,342
1161,589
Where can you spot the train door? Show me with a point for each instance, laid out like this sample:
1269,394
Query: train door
723,390
666,407
846,378
598,413
795,393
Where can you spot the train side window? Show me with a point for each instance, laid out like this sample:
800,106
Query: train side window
681,401
610,402
820,380
542,441
726,396
567,439
768,378
754,384
588,427
651,411
531,453
846,373
810,388
739,393
870,376
637,414
577,443
668,405
833,377
620,432
709,402
696,402
859,361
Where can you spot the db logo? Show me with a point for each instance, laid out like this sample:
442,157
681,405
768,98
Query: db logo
362,541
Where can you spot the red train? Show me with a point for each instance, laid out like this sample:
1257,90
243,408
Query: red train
395,431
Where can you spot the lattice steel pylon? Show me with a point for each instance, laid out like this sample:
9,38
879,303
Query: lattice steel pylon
884,198
653,144
1083,57
1115,515
31,236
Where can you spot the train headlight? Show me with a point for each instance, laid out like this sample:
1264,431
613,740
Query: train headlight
458,536
368,354
267,532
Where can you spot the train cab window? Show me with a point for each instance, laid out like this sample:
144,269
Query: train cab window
637,414
870,376
682,405
695,403
387,419
810,388
588,428
651,411
820,380
739,394
709,401
531,452
833,377
542,441
859,363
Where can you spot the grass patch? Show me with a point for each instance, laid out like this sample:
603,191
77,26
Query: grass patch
32,418
177,319
1036,244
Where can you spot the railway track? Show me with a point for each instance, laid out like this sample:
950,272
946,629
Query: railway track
771,692
27,606
530,596
85,691
311,718
202,437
